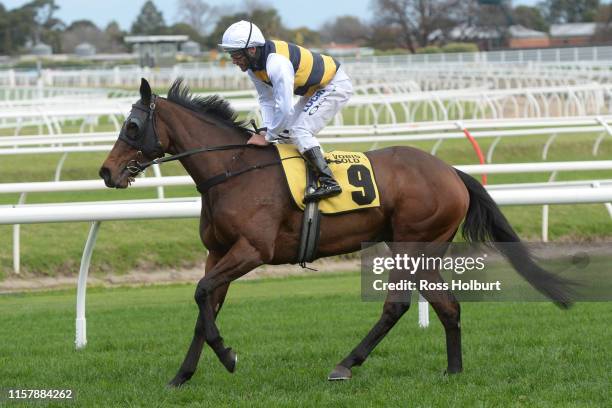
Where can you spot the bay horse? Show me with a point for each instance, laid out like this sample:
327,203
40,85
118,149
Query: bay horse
249,220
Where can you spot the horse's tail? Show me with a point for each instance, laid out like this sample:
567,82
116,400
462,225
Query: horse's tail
485,222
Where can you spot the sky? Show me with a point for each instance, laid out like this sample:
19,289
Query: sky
312,13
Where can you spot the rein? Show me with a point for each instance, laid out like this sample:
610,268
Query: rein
214,180
134,167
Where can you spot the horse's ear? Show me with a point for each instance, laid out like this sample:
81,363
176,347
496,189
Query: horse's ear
145,91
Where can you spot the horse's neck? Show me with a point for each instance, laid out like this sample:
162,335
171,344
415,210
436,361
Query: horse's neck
188,132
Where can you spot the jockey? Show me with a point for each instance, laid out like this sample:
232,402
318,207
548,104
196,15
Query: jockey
279,70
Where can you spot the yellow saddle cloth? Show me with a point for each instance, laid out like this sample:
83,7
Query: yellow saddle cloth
351,169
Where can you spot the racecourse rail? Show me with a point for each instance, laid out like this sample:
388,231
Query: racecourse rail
191,207
378,104
583,62
495,94
374,134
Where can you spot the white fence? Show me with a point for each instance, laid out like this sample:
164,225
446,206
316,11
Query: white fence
371,105
373,134
576,55
585,62
595,189
187,208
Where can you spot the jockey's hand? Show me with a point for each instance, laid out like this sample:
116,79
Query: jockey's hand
259,139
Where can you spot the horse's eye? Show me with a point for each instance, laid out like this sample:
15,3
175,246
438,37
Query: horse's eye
132,130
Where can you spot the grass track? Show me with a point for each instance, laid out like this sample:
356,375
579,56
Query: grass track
289,333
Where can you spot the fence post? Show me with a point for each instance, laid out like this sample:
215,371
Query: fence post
81,323
423,312
17,240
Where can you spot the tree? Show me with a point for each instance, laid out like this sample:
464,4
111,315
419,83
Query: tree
603,34
225,21
385,37
530,17
83,31
185,29
82,24
269,22
115,37
304,36
417,19
345,29
197,14
569,11
150,21
5,31
28,24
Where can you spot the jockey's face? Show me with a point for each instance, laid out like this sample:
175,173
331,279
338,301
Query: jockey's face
239,58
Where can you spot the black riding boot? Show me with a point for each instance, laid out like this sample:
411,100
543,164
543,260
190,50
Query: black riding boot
328,186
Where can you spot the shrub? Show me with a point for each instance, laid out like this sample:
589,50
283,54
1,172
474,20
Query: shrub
430,49
460,47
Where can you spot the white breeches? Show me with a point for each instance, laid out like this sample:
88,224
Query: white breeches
311,114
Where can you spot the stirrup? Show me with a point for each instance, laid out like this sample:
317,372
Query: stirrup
322,192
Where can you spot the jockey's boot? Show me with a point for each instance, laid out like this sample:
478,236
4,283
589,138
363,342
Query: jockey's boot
328,186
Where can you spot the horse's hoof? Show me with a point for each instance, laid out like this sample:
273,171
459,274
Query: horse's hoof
179,380
230,360
452,371
340,373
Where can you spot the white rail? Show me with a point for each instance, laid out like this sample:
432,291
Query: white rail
379,105
160,182
191,207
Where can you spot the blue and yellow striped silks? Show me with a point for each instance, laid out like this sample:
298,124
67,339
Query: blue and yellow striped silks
312,70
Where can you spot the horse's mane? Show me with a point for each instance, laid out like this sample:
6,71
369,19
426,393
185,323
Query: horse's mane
213,105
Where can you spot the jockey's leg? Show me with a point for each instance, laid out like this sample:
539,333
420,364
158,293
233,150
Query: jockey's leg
317,111
328,186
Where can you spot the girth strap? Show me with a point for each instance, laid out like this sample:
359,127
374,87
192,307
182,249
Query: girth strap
309,237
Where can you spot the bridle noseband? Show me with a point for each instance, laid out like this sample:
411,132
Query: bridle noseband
147,140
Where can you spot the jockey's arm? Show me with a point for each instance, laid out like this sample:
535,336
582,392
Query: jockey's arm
276,101
266,99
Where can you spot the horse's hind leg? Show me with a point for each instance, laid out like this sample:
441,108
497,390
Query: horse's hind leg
444,303
396,304
447,308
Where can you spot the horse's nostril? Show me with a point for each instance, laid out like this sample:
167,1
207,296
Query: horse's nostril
105,174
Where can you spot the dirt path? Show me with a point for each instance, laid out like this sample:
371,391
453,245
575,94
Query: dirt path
166,276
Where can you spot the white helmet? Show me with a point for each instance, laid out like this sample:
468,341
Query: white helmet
240,35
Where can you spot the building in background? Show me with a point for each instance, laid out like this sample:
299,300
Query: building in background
345,50
523,37
85,49
572,34
156,50
191,48
41,49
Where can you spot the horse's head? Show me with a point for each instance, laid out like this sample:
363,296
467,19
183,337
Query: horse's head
140,138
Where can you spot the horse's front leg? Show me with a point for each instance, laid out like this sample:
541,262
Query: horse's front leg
239,260
190,362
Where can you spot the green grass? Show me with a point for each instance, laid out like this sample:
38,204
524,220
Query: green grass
289,333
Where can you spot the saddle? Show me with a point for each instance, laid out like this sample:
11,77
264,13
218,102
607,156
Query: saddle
353,172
